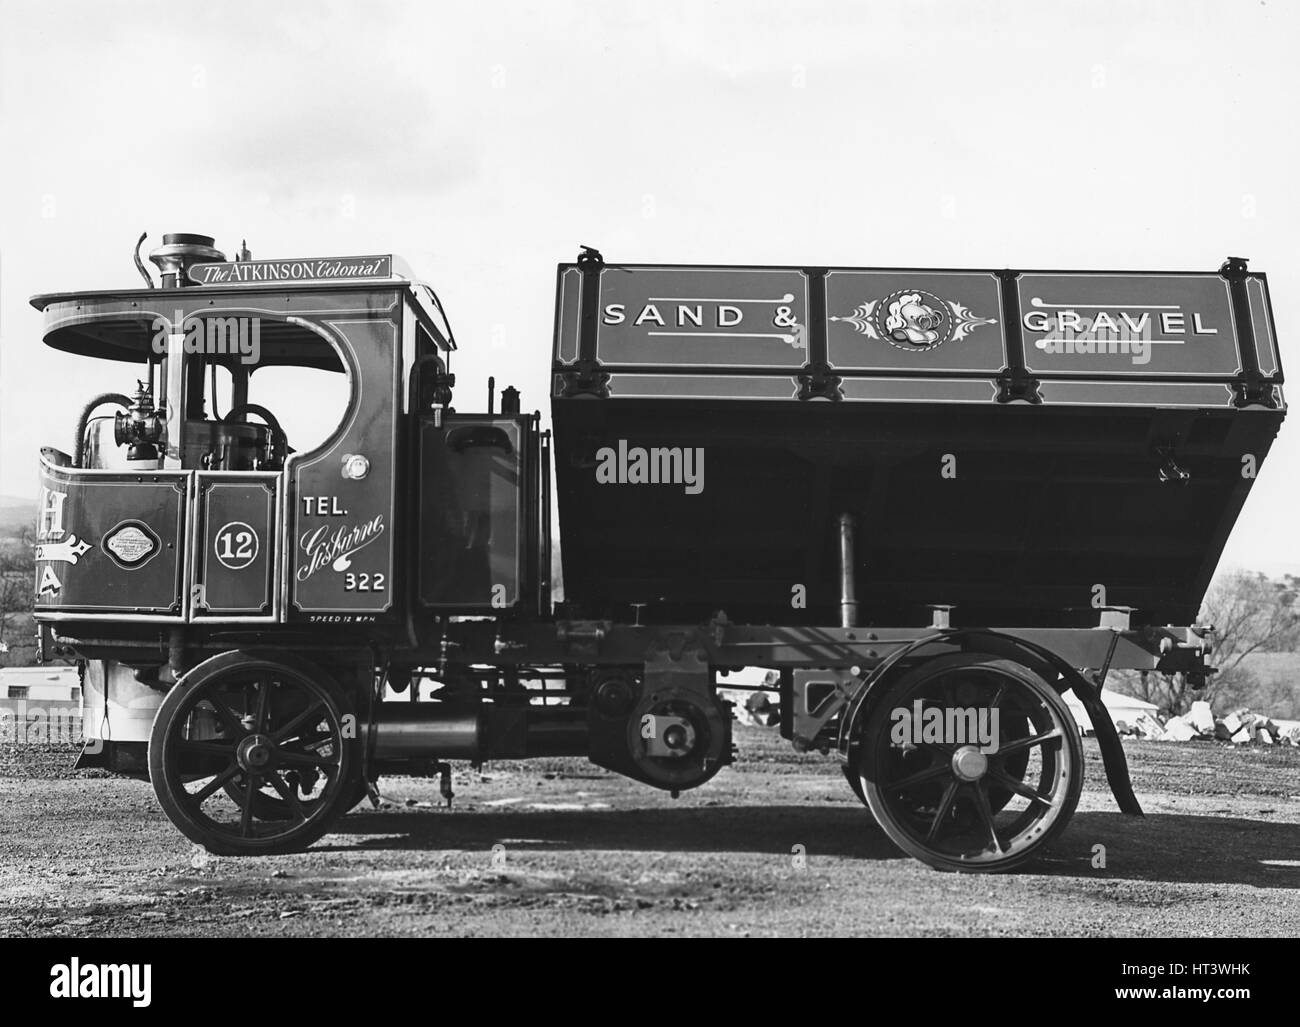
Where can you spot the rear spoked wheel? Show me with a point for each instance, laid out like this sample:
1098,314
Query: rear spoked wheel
253,754
953,799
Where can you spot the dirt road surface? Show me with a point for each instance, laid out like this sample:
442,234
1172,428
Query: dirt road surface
775,845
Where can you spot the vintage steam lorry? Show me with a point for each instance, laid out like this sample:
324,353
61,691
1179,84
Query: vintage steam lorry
929,500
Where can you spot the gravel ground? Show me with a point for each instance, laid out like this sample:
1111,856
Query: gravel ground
560,847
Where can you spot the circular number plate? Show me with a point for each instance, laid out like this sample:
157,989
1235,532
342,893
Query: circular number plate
236,545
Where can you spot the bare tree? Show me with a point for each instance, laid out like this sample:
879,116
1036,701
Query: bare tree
1251,613
17,576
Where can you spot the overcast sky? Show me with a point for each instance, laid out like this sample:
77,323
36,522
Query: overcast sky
485,141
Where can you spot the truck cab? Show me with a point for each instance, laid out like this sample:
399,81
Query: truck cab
188,509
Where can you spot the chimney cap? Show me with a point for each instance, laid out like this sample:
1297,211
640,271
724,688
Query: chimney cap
188,239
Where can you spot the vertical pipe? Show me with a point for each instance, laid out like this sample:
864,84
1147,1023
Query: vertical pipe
848,587
175,398
545,514
492,384
239,386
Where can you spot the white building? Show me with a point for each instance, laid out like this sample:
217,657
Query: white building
1123,709
51,683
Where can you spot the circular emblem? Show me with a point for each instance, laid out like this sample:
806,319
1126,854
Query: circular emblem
236,545
130,544
914,319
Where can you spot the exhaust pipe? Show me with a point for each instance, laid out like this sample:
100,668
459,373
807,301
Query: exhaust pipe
417,731
178,252
405,731
848,585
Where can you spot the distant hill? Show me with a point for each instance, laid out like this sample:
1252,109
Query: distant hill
15,513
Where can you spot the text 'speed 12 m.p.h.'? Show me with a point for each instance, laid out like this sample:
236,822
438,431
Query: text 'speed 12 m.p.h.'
930,501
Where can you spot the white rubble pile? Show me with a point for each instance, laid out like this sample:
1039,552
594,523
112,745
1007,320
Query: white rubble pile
1241,727
1200,719
1177,729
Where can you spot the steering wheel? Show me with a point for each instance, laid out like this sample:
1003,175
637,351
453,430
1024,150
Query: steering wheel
279,441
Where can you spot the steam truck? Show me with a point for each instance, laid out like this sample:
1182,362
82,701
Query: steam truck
932,501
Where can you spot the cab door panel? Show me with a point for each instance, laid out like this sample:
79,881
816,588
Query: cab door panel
471,526
237,551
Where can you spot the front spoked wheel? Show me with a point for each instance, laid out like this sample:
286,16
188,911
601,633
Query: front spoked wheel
252,754
983,772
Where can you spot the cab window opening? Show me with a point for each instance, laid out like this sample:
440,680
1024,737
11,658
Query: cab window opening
231,409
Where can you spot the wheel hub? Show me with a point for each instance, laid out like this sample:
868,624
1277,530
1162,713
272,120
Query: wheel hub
969,764
255,753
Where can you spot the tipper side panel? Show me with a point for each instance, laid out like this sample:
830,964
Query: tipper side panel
1006,441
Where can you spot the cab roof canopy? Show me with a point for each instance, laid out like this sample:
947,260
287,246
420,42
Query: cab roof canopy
124,324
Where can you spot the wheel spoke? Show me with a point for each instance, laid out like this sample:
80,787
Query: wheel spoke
287,794
945,804
246,815
920,777
226,715
204,793
986,815
1025,743
263,693
305,717
1019,787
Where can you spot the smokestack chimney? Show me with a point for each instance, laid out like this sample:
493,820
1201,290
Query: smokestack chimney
178,252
